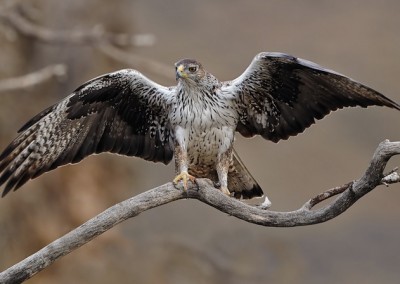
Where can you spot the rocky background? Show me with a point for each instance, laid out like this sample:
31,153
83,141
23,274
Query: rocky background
186,241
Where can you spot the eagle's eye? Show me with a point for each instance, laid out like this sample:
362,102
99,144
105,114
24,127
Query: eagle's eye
192,69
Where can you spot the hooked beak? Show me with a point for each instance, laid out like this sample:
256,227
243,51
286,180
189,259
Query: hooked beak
180,73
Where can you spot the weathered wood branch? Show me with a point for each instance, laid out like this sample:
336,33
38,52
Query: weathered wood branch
204,191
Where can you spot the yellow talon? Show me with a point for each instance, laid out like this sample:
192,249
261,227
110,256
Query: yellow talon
184,177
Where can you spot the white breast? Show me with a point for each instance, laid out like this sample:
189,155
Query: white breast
204,126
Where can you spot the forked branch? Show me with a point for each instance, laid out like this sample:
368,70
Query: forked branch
348,194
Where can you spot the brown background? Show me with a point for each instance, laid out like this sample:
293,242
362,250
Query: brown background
188,242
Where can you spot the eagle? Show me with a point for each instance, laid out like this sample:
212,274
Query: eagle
194,122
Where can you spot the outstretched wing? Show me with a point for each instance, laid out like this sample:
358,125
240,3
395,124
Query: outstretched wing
121,112
280,95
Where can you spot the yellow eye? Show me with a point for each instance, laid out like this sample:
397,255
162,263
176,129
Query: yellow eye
192,69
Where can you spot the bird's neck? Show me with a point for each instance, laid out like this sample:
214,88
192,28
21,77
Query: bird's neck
196,90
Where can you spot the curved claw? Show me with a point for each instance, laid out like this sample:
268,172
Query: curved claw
225,190
184,177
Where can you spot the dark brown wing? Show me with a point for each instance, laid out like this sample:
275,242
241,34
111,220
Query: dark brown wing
281,95
121,112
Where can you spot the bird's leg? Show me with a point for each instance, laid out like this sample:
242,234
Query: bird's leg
181,167
223,163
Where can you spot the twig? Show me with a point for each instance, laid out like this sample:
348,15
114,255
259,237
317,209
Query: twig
34,78
205,192
326,195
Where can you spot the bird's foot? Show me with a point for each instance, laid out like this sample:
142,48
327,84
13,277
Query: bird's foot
184,177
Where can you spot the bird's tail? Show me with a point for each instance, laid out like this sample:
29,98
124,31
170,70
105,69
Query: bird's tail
241,182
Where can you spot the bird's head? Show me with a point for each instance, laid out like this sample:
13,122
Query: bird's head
189,71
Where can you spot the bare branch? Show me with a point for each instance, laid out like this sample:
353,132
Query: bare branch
326,195
94,36
138,61
108,43
205,192
34,78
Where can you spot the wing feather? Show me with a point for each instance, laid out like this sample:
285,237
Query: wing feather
280,95
121,112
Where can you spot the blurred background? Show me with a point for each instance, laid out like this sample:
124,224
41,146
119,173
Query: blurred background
186,241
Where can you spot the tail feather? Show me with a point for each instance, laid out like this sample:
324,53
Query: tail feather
240,182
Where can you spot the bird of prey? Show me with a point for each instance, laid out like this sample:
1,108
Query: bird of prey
124,112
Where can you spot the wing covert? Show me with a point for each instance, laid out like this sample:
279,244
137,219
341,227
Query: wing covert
280,95
121,112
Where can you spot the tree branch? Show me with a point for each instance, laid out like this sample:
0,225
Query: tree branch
34,78
96,35
108,43
140,62
205,192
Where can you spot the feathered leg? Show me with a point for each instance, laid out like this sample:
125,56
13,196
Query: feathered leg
224,161
181,166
